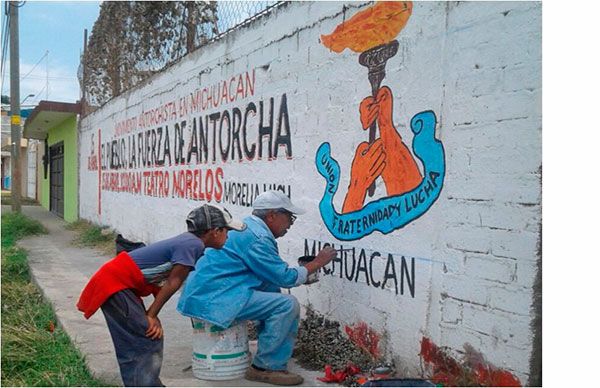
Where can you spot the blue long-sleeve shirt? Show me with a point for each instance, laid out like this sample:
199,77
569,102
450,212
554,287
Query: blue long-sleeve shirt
225,278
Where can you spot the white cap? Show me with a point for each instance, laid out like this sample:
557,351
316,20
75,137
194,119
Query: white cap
275,200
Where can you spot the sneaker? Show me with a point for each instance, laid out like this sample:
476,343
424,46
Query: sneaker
276,377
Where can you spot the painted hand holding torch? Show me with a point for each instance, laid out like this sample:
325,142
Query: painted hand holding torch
387,156
372,33
411,166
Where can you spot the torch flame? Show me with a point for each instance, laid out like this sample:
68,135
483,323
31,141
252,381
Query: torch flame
372,27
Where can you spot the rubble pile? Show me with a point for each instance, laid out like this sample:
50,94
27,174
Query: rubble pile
321,342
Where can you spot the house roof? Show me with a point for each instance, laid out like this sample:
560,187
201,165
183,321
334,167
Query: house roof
47,115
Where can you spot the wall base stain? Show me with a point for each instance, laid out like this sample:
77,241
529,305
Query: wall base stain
472,371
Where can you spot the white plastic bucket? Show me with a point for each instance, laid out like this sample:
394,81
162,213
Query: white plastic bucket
219,354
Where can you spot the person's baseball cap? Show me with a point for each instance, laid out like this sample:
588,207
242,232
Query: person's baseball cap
210,216
275,200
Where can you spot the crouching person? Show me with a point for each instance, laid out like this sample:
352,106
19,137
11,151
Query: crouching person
242,282
159,269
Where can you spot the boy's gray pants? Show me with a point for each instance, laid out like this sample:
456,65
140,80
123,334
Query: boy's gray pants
139,357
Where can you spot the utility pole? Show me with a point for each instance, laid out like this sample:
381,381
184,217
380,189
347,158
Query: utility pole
15,107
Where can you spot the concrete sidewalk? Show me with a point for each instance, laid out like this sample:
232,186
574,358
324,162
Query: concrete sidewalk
61,270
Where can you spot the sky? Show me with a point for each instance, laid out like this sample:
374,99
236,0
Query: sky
55,28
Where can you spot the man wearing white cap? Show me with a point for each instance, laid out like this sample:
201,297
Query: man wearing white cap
242,282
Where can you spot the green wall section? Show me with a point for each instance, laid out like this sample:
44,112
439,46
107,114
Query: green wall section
67,133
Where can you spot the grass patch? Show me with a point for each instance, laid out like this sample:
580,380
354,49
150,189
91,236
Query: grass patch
35,352
16,226
93,236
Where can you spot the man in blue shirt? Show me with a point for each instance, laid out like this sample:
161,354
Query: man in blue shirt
242,282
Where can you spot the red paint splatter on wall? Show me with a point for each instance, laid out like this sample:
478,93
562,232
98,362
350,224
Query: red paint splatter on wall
442,363
365,338
473,371
490,377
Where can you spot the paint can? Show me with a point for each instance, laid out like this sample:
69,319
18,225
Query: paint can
219,354
313,277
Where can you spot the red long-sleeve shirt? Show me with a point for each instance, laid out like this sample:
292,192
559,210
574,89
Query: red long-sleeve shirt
118,274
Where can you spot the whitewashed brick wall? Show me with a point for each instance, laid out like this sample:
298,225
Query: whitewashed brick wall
477,65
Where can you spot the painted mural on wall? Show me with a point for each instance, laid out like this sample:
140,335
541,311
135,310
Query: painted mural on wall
265,105
176,148
410,191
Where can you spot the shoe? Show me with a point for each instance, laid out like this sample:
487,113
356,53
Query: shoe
276,377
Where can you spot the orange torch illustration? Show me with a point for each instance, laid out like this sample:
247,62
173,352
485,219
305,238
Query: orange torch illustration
372,33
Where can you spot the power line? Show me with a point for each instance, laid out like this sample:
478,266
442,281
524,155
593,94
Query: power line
34,66
41,77
40,92
5,43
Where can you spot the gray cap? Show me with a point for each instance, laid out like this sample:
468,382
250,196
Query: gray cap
275,200
211,216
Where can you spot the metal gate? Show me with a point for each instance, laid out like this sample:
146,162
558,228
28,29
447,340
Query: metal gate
32,169
57,178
